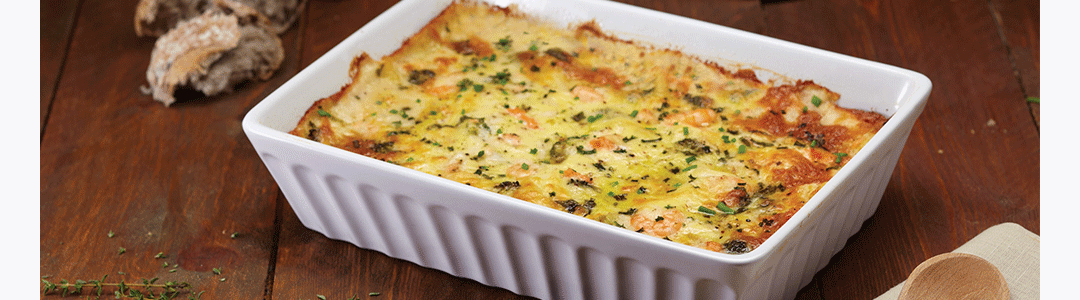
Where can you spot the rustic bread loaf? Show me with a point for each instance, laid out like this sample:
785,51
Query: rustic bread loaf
211,53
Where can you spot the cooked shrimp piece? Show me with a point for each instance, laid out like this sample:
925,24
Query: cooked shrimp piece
700,117
587,94
603,143
661,225
440,90
570,173
522,115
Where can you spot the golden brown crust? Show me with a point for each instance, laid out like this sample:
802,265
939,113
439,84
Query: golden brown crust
646,139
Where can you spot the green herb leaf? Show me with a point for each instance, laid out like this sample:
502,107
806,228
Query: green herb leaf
373,294
320,296
533,151
633,114
691,159
480,154
524,166
160,255
840,156
1033,99
691,167
323,113
815,101
478,88
742,149
217,271
122,250
685,130
111,234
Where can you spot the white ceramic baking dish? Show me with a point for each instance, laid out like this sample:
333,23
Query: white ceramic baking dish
549,254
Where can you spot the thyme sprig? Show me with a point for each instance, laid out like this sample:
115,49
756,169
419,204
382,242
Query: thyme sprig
148,289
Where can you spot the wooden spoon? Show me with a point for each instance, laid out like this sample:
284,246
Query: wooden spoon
955,276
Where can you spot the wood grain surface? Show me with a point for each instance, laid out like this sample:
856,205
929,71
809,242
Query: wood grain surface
184,181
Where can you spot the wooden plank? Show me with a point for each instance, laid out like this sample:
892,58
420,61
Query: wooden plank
177,180
972,159
740,14
57,19
1019,24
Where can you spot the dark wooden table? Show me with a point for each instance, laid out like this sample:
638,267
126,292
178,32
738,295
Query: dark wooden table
184,194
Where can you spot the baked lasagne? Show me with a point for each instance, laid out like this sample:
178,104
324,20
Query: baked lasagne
636,136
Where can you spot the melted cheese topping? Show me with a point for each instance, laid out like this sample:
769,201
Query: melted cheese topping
646,139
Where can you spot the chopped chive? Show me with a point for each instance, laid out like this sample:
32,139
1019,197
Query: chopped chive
816,101
111,234
706,210
533,151
686,130
480,154
1033,99
805,109
813,143
373,294
217,271
234,235
478,88
633,114
122,250
160,255
594,118
724,208
524,166
691,167
323,113
691,159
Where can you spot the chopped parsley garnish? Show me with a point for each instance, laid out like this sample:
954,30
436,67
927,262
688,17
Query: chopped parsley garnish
501,78
524,166
504,44
691,159
533,151
591,119
742,149
323,113
478,88
464,84
816,101
633,114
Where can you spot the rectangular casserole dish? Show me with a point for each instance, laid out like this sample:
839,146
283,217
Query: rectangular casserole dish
545,253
